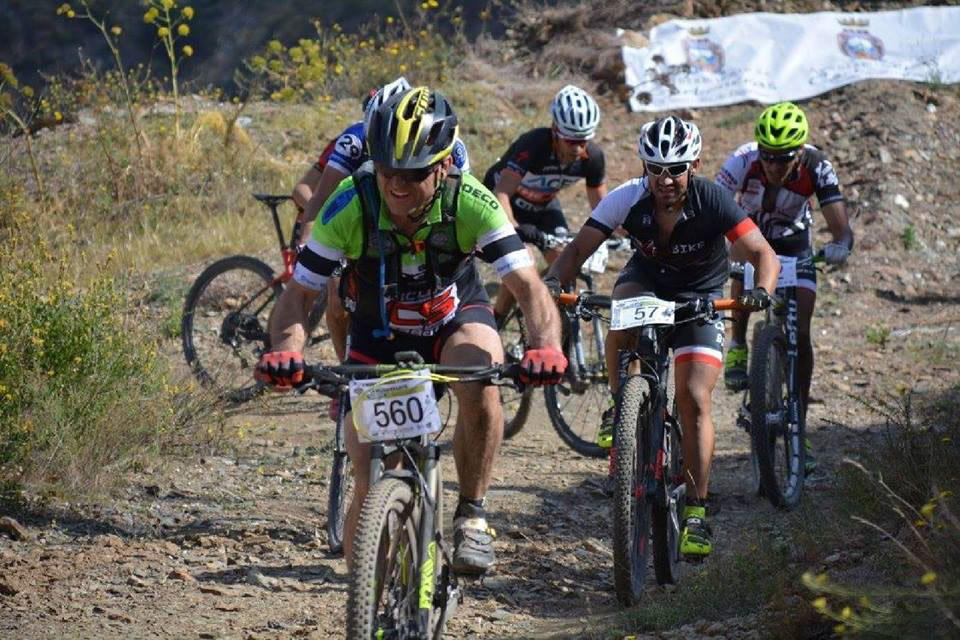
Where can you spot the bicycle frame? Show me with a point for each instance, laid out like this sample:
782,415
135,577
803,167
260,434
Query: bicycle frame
288,250
577,369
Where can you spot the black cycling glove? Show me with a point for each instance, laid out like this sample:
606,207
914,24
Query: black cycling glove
755,299
529,233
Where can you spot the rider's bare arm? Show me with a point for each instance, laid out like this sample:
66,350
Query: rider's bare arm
305,188
596,194
506,187
288,321
755,249
835,214
539,310
566,267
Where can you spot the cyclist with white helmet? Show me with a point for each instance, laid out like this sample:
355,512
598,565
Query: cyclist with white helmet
773,179
678,222
342,157
543,161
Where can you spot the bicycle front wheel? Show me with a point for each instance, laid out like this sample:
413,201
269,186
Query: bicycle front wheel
576,405
632,509
382,600
224,324
777,442
516,404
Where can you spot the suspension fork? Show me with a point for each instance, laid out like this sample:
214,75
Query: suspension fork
790,330
427,538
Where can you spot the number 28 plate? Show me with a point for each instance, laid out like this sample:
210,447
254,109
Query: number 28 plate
640,311
396,409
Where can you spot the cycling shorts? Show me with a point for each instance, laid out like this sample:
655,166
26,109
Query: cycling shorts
690,341
547,220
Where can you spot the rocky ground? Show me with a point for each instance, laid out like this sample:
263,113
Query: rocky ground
233,545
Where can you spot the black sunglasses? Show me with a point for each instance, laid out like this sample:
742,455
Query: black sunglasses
406,175
778,158
675,170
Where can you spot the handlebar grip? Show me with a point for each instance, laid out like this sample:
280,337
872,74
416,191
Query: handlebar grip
727,304
566,299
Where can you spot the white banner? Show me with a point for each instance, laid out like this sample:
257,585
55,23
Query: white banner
771,57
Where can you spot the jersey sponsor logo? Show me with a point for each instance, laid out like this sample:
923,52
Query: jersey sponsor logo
337,204
682,248
548,183
424,314
482,195
349,146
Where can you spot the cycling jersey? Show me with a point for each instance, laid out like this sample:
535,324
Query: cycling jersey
787,224
417,305
531,155
350,151
695,257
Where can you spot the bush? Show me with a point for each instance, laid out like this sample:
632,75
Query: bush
84,393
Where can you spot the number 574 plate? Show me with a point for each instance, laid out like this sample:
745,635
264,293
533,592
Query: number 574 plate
395,409
640,311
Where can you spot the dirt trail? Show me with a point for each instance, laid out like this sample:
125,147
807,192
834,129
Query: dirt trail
233,546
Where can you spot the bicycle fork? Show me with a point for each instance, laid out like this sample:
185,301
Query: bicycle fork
794,424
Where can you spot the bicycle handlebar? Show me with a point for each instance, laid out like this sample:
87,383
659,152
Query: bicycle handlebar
343,373
696,305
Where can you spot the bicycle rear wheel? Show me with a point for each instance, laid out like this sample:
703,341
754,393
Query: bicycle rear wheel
666,517
338,499
576,405
777,444
516,404
382,597
632,510
224,324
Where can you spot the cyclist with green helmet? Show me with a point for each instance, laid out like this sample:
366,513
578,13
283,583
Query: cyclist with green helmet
773,179
408,227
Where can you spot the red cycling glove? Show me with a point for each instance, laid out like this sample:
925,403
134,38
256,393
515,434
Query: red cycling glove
542,366
280,369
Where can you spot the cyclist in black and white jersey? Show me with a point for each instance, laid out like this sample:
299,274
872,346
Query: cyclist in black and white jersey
680,224
543,161
773,179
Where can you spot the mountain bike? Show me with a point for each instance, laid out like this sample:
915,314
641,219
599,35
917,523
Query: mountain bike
649,484
402,585
771,410
575,406
224,324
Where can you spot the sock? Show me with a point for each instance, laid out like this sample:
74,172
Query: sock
467,508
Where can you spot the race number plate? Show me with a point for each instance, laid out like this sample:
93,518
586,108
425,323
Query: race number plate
396,409
787,277
597,263
637,312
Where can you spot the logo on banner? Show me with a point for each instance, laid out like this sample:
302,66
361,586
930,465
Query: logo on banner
858,43
703,54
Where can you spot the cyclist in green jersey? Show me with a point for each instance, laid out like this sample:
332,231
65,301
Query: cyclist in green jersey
409,229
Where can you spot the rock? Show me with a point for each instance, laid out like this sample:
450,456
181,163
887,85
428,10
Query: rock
9,586
215,590
885,156
138,582
14,529
595,546
901,202
181,574
256,578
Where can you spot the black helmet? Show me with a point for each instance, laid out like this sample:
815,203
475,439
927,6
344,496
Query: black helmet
412,130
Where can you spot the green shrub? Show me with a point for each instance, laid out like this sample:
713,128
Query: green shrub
84,393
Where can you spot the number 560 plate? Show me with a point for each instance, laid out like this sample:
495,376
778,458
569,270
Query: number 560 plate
396,409
640,311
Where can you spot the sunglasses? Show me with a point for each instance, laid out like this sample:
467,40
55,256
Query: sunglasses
406,175
778,158
675,170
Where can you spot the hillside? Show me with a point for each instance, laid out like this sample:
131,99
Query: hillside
228,541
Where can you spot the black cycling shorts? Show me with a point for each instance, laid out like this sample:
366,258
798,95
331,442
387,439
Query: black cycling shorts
690,341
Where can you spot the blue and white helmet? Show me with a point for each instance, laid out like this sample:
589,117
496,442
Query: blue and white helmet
575,113
669,140
383,94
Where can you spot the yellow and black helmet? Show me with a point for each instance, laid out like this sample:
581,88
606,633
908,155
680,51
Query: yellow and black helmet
412,130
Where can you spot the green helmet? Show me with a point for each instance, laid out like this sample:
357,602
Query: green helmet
781,126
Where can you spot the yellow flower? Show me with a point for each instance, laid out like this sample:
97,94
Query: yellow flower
163,32
71,14
864,601
338,69
433,4
928,578
27,91
167,4
927,510
424,5
846,612
150,15
57,116
187,50
839,629
116,30
187,13
389,19
820,603
183,30
920,523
